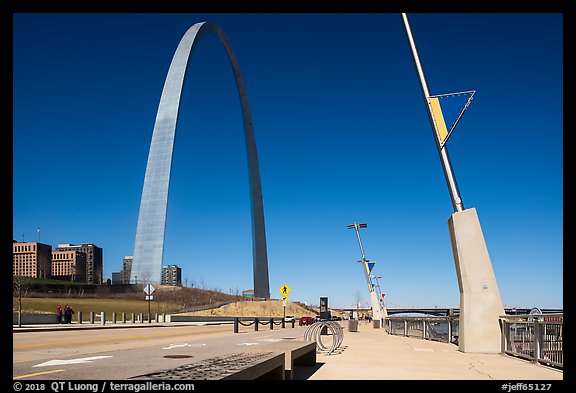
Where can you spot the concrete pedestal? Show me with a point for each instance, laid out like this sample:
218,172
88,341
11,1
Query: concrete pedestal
480,302
378,312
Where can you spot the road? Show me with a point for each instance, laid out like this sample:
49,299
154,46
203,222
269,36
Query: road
127,353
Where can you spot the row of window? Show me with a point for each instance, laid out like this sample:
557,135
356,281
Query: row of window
24,248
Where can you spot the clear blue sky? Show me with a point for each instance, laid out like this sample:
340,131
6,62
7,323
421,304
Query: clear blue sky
342,135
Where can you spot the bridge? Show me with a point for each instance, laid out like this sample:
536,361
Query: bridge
446,311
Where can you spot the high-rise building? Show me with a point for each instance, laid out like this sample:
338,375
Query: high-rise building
69,265
126,269
93,260
171,275
31,259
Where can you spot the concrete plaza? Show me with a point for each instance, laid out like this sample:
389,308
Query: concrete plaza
372,354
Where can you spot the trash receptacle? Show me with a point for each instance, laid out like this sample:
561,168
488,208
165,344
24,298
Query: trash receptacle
352,325
376,323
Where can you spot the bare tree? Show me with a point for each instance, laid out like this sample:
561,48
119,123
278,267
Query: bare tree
357,300
20,287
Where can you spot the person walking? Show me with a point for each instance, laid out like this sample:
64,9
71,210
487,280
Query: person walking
59,313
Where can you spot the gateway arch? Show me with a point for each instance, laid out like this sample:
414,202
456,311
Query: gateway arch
149,243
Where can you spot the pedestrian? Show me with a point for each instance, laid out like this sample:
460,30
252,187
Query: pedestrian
59,313
67,314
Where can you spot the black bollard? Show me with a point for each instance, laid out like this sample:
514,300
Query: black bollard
283,323
271,323
293,324
256,322
236,325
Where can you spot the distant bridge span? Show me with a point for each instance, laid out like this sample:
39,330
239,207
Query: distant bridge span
445,311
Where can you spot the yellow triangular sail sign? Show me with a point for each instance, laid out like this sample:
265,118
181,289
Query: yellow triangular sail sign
447,115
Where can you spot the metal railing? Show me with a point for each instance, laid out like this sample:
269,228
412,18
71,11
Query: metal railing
259,321
443,329
535,337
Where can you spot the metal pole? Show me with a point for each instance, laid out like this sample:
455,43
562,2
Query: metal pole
364,261
537,344
457,203
359,241
149,315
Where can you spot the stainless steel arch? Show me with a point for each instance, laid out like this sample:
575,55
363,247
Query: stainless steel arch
149,243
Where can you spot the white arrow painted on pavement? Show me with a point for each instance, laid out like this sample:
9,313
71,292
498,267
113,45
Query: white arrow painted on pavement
71,361
177,346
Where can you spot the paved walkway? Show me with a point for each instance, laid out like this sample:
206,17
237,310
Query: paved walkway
371,354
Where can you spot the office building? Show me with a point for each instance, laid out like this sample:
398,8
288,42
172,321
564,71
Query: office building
171,275
126,269
93,253
69,265
31,259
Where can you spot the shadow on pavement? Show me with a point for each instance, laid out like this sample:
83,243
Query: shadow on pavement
301,373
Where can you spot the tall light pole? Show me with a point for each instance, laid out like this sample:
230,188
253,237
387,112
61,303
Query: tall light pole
457,203
377,288
364,261
480,302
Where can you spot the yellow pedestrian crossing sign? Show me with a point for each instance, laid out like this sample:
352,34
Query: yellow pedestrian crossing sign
284,289
284,298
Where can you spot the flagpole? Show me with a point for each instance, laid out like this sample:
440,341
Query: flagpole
457,203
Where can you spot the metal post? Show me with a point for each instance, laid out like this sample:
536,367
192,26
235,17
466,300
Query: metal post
236,325
149,315
113,317
91,316
503,338
293,324
123,317
79,316
449,323
537,340
271,323
133,318
283,323
103,318
457,203
405,328
256,322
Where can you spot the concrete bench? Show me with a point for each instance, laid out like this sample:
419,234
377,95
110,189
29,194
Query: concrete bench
237,366
296,353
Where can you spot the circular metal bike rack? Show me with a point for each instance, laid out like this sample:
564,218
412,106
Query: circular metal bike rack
314,333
